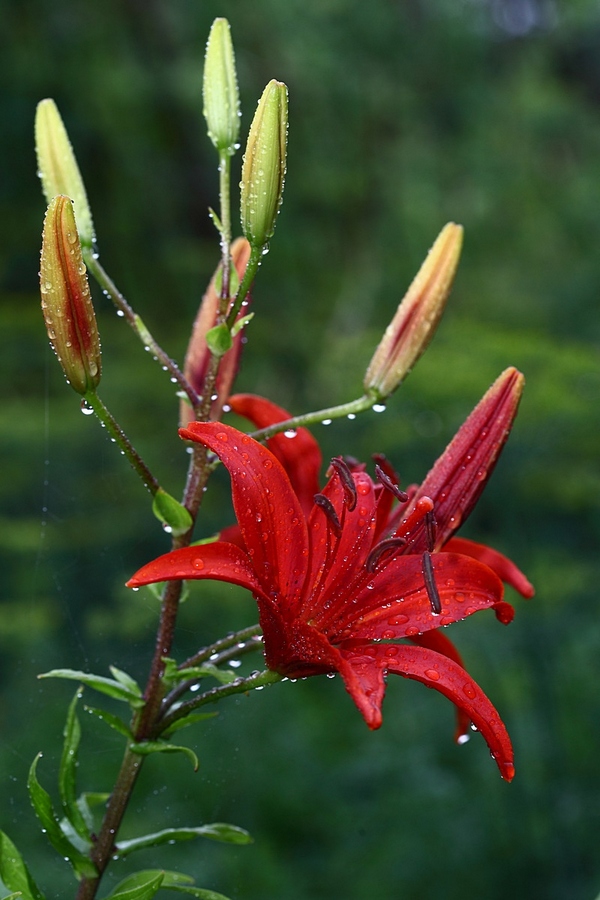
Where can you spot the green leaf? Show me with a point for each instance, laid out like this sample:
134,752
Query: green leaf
217,831
44,810
172,675
218,340
126,680
14,896
171,513
173,881
67,773
14,872
139,886
201,893
190,719
110,719
145,748
241,323
105,685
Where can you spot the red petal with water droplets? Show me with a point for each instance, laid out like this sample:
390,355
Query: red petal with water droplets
219,561
347,561
300,456
460,474
395,603
267,509
504,568
435,640
441,673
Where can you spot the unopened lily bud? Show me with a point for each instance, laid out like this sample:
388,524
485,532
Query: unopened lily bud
220,89
416,319
263,171
198,352
58,169
66,301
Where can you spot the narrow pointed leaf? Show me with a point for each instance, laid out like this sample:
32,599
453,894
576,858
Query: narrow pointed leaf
113,721
140,886
126,680
187,720
145,748
44,810
200,893
105,685
14,871
68,769
217,831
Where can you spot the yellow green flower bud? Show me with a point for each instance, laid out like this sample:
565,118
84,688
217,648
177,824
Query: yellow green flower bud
416,319
58,169
220,90
263,170
66,301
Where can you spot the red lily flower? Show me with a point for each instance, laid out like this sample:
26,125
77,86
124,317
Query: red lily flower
329,588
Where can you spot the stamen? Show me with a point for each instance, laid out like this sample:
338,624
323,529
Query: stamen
382,547
327,507
430,585
431,529
350,495
389,485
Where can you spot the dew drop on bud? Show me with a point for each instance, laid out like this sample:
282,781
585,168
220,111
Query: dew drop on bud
86,409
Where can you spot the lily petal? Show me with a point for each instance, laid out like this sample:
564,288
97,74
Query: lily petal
219,561
501,565
437,671
267,509
299,455
395,603
460,474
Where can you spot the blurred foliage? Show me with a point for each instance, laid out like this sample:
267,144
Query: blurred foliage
404,114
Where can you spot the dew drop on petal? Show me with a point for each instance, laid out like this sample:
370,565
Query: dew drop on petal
432,674
198,563
221,436
469,690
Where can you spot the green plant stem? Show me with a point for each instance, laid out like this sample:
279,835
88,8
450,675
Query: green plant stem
120,438
367,401
102,850
256,255
239,686
241,648
236,637
111,290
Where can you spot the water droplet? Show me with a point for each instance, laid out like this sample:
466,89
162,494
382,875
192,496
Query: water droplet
463,739
351,416
326,422
379,407
221,436
268,463
469,690
459,597
398,620
432,674
86,409
198,563
290,433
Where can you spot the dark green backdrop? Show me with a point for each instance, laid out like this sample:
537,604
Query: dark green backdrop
404,115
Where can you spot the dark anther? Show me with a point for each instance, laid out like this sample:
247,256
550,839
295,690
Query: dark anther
430,585
389,485
381,548
431,529
327,507
341,467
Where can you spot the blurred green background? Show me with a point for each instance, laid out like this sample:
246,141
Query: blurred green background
404,114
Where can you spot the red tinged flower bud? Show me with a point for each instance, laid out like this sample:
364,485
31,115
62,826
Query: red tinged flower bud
66,301
198,353
416,319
